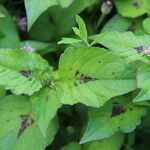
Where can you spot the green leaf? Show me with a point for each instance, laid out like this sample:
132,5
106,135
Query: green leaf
19,129
122,24
148,6
112,143
143,81
131,8
70,41
124,44
81,31
117,23
33,13
45,104
115,116
11,38
22,72
146,25
65,25
51,20
82,27
92,76
77,32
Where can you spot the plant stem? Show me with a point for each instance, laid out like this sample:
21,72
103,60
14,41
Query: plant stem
100,20
86,42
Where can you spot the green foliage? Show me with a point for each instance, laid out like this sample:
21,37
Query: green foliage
146,24
117,23
96,85
143,75
70,41
19,129
22,72
93,84
132,8
82,28
117,115
33,13
9,38
45,105
58,25
126,44
121,24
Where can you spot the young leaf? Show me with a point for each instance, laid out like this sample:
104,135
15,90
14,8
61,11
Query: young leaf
143,82
19,128
22,72
125,44
70,41
77,32
65,25
117,115
92,76
11,39
33,13
82,27
131,8
45,104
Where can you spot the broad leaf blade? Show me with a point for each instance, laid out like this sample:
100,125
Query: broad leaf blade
45,104
117,23
33,13
19,129
22,72
64,27
11,38
124,44
92,76
117,115
131,8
